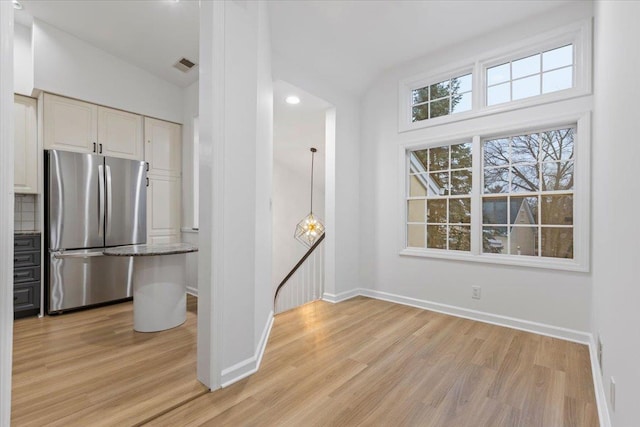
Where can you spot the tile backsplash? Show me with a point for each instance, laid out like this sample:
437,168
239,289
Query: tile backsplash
26,213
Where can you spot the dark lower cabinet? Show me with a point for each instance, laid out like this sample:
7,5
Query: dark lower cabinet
26,275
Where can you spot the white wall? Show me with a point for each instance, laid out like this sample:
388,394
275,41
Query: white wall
190,110
290,205
66,65
616,257
561,299
234,134
342,186
22,60
295,131
263,179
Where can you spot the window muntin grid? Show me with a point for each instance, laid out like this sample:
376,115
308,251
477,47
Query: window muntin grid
544,72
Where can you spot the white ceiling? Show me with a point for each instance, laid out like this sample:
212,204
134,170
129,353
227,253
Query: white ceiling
347,43
297,128
151,34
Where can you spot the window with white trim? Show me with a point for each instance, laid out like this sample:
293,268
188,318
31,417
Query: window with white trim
518,197
545,68
527,200
544,72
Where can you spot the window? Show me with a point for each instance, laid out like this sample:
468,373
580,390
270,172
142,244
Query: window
546,68
439,198
442,98
506,196
527,201
544,72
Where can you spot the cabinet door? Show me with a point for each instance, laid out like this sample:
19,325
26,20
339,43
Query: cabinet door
70,125
163,209
120,134
26,145
162,147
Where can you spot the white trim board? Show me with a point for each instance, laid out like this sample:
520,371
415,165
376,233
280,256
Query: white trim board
342,296
598,385
480,316
251,365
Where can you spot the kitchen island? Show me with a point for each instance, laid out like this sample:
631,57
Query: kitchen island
159,284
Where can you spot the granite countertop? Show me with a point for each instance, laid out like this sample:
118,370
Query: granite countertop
26,233
151,250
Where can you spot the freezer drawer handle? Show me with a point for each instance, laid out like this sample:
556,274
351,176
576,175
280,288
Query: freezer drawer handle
62,255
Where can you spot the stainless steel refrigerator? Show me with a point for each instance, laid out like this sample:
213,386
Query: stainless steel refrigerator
91,202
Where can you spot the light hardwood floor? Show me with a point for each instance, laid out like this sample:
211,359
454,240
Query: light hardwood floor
360,362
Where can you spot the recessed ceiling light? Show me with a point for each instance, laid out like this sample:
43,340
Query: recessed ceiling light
17,5
292,99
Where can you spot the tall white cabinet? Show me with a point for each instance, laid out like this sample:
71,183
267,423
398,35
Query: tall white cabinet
163,156
26,159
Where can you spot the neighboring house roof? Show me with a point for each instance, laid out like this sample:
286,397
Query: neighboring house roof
424,178
496,208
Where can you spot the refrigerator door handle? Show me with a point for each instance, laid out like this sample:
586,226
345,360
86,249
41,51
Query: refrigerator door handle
101,200
109,200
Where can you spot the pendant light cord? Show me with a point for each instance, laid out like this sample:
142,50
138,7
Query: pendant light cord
313,152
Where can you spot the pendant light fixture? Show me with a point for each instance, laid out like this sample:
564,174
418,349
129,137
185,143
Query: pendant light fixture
309,230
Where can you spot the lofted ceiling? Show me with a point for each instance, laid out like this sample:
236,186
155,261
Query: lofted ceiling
347,43
151,34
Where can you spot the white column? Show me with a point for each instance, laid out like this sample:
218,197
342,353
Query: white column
6,208
211,118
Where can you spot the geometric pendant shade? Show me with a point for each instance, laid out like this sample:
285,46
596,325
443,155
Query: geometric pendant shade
310,228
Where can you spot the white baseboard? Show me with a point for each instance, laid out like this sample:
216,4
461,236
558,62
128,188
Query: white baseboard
251,365
192,290
481,316
598,385
342,296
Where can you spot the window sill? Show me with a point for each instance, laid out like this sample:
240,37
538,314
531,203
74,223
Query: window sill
520,261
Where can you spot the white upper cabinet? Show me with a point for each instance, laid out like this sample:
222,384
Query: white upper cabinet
25,145
82,127
70,125
120,134
162,147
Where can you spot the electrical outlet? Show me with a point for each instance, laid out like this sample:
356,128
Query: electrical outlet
475,292
612,394
600,349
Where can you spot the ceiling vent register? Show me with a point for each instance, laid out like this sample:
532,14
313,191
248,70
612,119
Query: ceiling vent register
184,65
